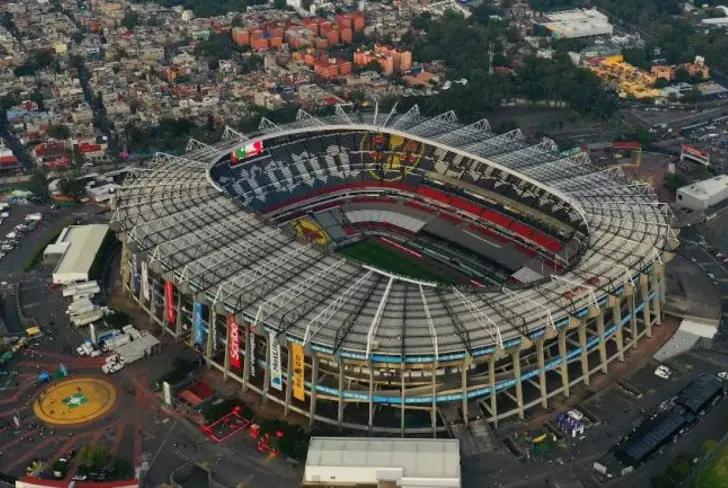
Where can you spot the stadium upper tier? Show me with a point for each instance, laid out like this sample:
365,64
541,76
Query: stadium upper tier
209,223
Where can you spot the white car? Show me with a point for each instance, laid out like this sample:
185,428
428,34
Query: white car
113,367
723,375
663,372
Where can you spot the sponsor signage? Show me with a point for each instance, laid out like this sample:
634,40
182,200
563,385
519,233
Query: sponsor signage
274,351
233,341
247,151
693,151
169,311
299,391
145,281
251,352
198,324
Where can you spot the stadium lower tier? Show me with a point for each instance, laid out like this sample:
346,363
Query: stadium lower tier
410,394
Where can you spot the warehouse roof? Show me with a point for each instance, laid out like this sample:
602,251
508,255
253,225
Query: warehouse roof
418,458
84,242
651,435
700,391
706,188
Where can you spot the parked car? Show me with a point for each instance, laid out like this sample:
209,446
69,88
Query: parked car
663,372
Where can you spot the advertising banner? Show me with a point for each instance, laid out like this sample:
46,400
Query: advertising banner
251,353
198,324
134,273
169,311
145,281
233,341
299,392
274,351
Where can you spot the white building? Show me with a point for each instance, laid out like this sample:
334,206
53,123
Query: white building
76,249
578,23
703,194
400,462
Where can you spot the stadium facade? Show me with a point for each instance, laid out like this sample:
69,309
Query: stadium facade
557,267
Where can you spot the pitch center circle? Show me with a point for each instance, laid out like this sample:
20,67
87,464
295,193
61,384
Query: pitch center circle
75,401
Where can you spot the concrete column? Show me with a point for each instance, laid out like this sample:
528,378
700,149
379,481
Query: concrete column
645,293
602,342
211,329
289,381
464,390
541,372
370,423
152,297
314,382
619,334
433,411
401,399
493,395
656,305
340,413
584,356
516,358
178,325
564,364
633,320
226,358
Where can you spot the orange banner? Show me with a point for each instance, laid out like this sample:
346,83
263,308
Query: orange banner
299,392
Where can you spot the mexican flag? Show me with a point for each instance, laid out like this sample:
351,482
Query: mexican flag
247,151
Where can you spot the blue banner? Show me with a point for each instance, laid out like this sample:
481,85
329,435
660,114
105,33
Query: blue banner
198,324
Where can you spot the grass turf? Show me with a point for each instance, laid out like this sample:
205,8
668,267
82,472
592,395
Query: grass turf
716,474
379,255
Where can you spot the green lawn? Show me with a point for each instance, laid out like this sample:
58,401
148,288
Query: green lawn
715,475
379,255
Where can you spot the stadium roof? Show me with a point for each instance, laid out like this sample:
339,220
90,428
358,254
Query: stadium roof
189,230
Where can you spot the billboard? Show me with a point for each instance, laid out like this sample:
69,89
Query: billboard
299,391
198,324
247,151
274,352
693,153
169,312
145,281
233,341
251,353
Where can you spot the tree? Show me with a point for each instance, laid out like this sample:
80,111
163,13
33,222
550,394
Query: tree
73,187
38,184
58,131
93,457
279,4
673,181
130,20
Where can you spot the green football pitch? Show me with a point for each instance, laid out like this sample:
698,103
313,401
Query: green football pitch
381,256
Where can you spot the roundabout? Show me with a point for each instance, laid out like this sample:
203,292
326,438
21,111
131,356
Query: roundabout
75,401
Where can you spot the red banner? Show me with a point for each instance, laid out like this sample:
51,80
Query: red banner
170,314
233,341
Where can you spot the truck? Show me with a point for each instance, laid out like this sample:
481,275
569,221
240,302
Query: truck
114,342
79,320
82,305
86,288
106,335
88,349
113,364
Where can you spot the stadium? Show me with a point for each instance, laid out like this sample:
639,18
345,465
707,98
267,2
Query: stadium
391,272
